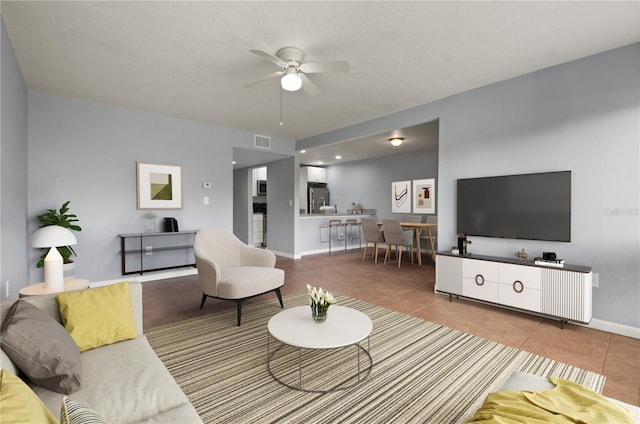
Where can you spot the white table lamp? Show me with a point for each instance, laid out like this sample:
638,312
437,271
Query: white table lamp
53,236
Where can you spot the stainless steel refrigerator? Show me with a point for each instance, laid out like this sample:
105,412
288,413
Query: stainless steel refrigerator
317,197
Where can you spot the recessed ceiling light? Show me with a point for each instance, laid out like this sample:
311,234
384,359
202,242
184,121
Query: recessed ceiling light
303,151
319,162
396,141
233,162
338,157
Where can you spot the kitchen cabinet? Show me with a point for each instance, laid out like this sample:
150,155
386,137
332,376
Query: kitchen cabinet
315,174
258,229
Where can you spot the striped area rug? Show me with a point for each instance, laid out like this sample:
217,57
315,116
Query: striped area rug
421,372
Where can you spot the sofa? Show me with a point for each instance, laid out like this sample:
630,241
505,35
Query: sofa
122,382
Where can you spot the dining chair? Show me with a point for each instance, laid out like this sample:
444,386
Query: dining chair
372,234
395,236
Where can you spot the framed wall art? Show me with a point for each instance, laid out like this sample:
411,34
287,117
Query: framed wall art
159,186
401,197
424,196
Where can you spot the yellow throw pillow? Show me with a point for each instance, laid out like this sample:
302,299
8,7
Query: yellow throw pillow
99,316
19,404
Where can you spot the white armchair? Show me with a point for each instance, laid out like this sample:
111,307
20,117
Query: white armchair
231,270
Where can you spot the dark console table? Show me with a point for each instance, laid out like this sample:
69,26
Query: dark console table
144,252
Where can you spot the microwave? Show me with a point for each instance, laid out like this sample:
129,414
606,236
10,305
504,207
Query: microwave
262,188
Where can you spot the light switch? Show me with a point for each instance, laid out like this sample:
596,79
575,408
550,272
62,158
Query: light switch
205,200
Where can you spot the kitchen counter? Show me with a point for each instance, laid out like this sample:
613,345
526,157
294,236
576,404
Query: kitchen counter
349,214
312,225
332,215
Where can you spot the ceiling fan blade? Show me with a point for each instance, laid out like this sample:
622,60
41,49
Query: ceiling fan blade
269,57
308,86
320,67
263,79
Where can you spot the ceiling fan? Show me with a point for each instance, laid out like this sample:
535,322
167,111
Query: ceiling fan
293,70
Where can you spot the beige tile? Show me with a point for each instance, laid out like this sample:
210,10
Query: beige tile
623,382
624,350
504,326
409,289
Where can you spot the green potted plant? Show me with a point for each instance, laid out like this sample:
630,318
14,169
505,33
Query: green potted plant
64,219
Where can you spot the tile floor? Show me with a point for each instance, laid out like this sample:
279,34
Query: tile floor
410,290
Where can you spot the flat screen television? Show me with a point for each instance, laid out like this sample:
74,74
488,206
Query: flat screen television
526,206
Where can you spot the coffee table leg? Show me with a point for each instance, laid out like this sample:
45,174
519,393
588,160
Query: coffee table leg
300,368
358,349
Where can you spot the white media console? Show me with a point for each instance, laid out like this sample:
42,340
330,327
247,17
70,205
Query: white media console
564,293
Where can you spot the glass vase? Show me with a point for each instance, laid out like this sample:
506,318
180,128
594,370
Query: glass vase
318,312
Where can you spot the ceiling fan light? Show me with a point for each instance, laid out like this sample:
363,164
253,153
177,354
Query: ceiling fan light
291,81
396,141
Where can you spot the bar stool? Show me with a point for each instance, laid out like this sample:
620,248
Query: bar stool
334,223
349,223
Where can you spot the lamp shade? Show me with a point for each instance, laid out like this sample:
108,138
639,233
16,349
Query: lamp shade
52,236
291,81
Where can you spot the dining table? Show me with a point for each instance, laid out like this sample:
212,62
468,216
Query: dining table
419,228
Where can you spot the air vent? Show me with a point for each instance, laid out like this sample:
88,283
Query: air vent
262,141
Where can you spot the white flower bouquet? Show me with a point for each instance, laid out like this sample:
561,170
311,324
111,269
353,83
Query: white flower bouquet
320,301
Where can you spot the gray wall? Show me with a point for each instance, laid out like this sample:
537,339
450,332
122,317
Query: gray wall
282,211
13,171
87,152
242,207
580,116
583,117
369,181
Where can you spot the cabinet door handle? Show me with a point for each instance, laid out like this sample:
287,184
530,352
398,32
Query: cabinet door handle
479,279
518,287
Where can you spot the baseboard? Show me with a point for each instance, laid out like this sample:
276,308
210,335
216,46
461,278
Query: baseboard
286,255
149,276
615,328
337,249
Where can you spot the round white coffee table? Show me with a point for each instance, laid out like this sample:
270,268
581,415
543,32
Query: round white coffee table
344,327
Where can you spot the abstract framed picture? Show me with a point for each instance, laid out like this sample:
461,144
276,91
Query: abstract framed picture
424,196
401,197
159,186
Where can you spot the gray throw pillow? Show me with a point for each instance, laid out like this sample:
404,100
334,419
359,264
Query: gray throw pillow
41,347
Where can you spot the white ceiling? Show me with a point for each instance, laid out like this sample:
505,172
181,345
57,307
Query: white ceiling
418,137
191,59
